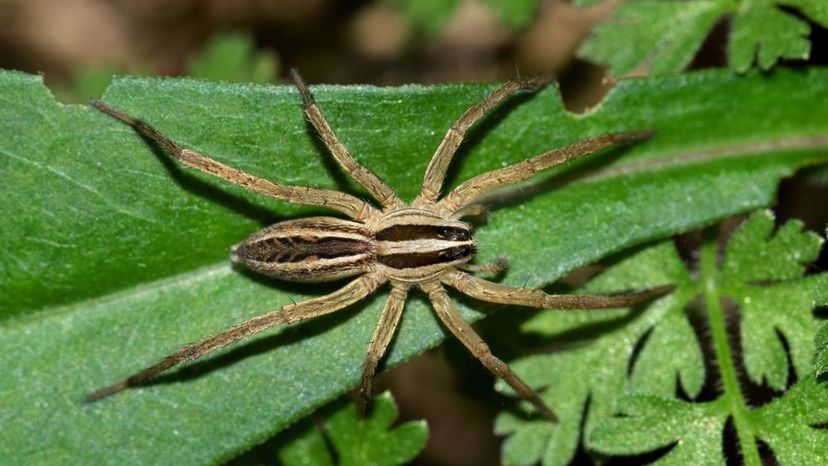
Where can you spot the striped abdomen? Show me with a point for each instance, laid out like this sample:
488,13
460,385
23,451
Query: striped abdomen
314,249
408,245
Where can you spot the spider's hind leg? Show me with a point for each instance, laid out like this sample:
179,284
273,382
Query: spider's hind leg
383,334
485,290
345,296
464,332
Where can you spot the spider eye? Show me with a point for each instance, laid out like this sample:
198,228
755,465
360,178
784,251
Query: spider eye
454,233
458,252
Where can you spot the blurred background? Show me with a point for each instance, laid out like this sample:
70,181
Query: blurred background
386,42
77,45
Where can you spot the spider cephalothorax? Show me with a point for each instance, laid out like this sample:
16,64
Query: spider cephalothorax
423,245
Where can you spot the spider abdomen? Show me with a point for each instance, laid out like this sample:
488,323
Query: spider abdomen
314,249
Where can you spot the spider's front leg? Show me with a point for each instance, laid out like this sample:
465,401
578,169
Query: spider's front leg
472,190
438,166
351,206
365,177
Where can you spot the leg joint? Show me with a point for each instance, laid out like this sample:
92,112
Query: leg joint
400,291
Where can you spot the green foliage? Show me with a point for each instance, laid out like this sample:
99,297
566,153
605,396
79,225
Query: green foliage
87,83
652,354
761,272
821,342
662,36
112,257
515,13
821,345
598,371
654,422
694,430
233,57
356,441
428,16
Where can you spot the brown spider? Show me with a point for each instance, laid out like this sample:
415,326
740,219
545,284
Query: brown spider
424,244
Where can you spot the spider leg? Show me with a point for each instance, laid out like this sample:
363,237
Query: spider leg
349,205
485,290
492,268
436,172
365,177
471,210
345,296
472,189
384,332
461,329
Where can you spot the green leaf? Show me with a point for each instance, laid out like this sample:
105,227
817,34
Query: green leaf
530,440
112,257
598,371
233,57
370,441
693,430
305,447
358,441
764,33
821,345
668,350
790,425
821,338
662,36
755,244
515,13
761,272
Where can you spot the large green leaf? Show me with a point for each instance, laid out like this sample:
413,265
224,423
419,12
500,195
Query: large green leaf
112,257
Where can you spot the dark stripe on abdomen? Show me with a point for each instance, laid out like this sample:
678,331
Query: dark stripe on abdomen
422,259
290,249
413,231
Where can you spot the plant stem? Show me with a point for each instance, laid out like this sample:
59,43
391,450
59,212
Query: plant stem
724,356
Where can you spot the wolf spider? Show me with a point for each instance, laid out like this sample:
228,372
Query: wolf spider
423,244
